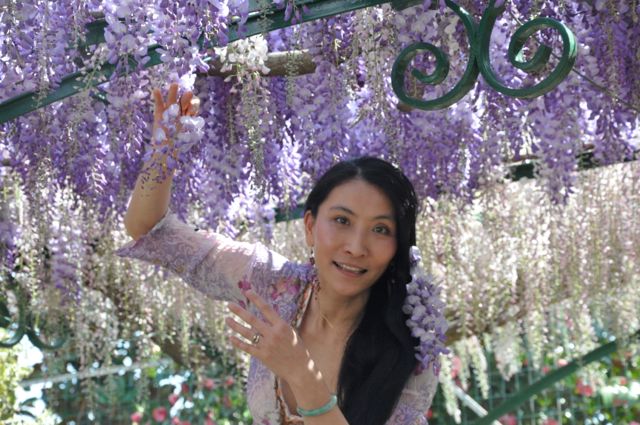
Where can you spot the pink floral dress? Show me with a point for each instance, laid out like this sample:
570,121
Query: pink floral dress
221,268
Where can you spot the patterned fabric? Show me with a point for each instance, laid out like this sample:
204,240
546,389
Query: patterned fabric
221,268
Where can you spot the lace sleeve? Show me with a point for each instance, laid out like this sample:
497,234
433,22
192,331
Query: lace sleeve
415,400
217,266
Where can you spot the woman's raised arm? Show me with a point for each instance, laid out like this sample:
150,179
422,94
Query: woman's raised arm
211,263
150,198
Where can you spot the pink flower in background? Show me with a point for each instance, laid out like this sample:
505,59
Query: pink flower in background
229,381
456,365
136,417
159,414
209,384
175,421
226,401
185,389
562,362
550,422
618,402
209,421
634,423
173,398
508,420
583,389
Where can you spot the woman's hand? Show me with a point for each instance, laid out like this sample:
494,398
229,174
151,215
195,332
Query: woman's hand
278,346
187,104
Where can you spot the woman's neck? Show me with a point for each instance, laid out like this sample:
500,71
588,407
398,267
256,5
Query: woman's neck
335,314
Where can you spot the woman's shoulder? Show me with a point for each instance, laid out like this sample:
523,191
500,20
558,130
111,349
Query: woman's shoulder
280,281
267,262
421,383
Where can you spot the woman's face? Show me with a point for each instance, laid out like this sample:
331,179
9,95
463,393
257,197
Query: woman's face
353,237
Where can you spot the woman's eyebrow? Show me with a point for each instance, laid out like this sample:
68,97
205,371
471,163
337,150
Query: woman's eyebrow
348,211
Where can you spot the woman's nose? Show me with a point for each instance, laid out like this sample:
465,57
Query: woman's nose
356,244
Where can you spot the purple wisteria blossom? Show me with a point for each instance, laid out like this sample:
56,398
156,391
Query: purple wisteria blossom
95,143
425,310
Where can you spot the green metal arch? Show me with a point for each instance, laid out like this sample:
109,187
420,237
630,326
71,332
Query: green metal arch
550,379
262,21
256,24
540,59
25,323
466,83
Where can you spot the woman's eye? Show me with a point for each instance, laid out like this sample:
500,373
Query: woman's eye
384,230
342,220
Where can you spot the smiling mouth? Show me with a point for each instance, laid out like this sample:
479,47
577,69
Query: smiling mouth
350,269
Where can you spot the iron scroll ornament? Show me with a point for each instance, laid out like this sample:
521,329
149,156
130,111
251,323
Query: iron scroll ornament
26,323
479,37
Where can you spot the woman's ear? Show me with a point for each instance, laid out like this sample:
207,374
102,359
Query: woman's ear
309,221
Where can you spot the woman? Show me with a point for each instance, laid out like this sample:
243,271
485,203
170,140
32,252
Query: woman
329,340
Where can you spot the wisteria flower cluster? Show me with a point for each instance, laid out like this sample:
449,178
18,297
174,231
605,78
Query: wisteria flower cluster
286,129
174,138
426,315
249,53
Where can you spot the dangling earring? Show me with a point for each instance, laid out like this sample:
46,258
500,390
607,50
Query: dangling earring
312,259
316,287
316,281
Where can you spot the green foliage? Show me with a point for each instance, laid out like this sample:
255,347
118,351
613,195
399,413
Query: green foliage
611,397
202,398
160,394
10,375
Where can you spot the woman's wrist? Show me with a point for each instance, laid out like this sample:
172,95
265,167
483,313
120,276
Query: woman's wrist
310,389
321,410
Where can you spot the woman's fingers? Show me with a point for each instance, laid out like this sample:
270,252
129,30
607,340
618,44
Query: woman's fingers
244,346
189,104
173,94
194,106
159,102
267,311
246,332
256,324
185,102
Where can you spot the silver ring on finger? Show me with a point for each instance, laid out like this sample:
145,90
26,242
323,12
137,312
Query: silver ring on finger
256,338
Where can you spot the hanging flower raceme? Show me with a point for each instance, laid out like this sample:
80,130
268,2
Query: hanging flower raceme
173,139
426,315
9,229
128,32
344,109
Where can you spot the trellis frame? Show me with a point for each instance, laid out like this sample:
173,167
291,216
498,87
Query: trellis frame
263,20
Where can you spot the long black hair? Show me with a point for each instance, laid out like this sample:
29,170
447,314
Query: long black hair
379,355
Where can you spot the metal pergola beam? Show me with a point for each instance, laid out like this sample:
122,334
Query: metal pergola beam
260,21
263,20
